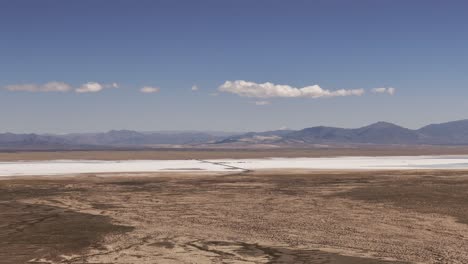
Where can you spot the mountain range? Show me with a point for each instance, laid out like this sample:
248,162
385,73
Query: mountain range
381,133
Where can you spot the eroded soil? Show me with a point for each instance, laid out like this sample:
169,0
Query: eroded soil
255,217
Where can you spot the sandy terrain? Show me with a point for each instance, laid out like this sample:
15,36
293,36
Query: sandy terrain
293,216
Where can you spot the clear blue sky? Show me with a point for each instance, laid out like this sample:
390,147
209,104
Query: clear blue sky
420,48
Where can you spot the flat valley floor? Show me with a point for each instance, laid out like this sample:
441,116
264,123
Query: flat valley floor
253,217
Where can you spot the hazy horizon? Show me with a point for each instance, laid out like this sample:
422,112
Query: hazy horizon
217,132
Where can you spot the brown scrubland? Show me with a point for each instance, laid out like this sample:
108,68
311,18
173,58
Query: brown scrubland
292,216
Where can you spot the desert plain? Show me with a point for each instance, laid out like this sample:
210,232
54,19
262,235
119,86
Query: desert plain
259,216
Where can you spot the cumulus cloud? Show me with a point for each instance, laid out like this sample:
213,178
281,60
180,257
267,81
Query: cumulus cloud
194,88
383,90
149,89
261,103
91,87
94,87
269,90
47,87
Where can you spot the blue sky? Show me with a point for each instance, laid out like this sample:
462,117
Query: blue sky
419,48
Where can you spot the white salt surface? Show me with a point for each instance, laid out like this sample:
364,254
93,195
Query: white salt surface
59,167
62,167
353,163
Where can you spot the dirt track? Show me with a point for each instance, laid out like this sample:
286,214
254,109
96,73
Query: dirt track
256,217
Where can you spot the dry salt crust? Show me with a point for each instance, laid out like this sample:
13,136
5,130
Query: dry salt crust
62,167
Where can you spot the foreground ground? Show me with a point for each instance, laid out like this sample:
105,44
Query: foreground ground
254,217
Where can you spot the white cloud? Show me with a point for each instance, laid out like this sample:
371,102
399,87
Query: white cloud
47,87
261,103
94,87
269,90
59,87
390,90
194,88
149,89
379,90
90,87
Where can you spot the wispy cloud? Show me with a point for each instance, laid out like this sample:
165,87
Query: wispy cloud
383,90
270,90
261,103
90,87
149,89
47,87
195,88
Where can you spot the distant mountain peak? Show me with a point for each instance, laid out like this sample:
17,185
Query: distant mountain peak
382,125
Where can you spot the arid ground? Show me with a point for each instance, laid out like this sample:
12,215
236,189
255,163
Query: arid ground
252,217
234,153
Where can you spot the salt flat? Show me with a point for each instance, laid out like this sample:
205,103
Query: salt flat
60,167
353,163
